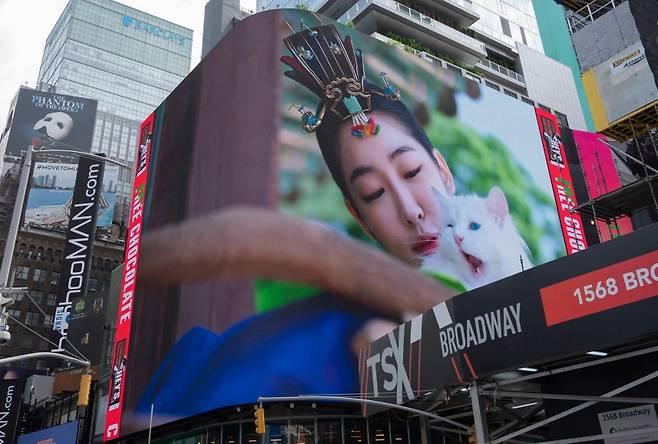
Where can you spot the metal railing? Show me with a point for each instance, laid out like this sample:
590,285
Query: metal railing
502,70
417,17
590,12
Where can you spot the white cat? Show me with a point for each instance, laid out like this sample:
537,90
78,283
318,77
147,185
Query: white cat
478,241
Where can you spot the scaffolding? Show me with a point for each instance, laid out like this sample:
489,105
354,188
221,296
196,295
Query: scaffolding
641,157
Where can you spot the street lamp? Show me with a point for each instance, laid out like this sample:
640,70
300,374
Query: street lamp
15,222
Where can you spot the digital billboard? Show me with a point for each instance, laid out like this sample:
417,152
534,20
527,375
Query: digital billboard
66,433
51,193
336,130
42,118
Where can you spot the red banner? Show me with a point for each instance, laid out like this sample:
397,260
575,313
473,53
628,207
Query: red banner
124,319
565,197
620,284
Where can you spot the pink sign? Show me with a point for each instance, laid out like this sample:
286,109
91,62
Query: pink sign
601,177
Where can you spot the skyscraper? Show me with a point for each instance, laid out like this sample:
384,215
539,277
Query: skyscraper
126,59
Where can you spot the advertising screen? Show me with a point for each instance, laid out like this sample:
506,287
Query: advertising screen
61,434
331,129
49,200
53,120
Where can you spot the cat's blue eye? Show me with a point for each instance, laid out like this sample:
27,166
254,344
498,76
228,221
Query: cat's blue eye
474,226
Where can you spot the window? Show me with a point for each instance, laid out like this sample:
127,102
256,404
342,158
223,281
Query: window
93,285
525,41
509,93
527,100
39,275
492,85
54,278
33,318
16,314
37,296
21,272
52,299
506,29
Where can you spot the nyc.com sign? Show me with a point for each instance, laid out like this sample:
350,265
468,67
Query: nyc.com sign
130,22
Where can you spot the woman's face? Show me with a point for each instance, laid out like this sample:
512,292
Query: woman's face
390,177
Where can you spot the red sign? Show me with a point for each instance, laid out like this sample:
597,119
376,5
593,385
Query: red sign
565,198
620,284
124,320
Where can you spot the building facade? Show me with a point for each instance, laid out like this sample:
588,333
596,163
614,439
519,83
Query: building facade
36,266
495,42
126,59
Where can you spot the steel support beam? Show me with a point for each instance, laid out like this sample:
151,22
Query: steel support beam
569,368
479,414
577,408
604,436
533,395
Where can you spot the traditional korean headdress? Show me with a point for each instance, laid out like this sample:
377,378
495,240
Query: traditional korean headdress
332,69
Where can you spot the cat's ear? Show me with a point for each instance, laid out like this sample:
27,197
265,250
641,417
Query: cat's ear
497,204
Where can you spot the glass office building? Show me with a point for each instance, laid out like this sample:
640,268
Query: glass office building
126,59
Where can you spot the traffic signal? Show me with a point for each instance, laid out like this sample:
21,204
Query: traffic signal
85,388
259,414
472,436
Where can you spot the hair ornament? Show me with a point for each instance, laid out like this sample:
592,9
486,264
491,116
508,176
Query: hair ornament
310,121
390,91
329,66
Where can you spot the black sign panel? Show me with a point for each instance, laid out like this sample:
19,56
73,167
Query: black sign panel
601,297
578,183
54,120
646,20
79,242
11,399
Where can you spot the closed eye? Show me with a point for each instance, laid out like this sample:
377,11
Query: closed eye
474,226
374,196
413,173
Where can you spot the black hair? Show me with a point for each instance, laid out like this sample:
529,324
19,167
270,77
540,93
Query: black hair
327,133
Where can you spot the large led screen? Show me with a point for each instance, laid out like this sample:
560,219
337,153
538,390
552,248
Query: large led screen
327,125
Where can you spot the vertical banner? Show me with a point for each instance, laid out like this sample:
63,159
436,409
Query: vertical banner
79,243
124,316
11,399
565,197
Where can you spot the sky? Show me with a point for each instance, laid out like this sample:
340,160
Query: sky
25,24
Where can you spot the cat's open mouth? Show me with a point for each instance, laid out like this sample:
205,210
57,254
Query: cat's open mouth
474,262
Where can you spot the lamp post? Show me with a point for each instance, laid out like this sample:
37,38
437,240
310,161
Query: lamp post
16,216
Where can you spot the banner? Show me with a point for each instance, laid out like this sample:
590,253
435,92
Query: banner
570,221
53,120
51,194
66,433
11,400
79,244
543,314
124,320
601,177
